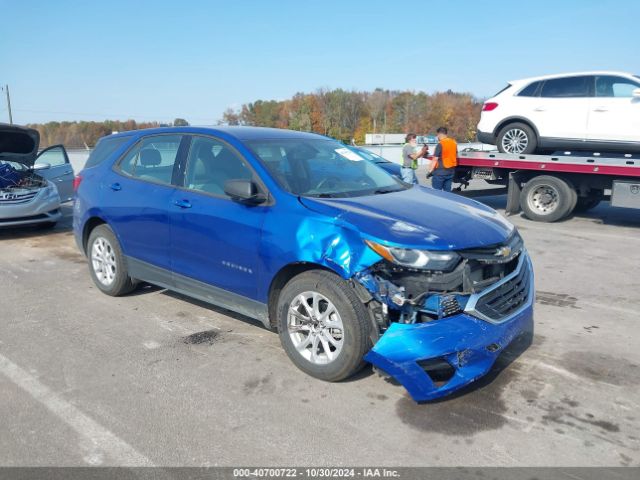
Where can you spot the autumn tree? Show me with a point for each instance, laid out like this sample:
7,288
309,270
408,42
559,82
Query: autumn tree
338,113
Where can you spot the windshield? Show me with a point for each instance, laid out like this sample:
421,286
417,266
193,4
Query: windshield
372,157
322,168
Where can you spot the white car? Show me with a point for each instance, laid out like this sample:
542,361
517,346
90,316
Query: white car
595,111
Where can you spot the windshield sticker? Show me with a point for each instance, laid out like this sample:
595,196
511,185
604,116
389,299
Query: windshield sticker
348,154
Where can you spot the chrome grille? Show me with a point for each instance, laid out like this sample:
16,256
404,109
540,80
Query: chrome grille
13,198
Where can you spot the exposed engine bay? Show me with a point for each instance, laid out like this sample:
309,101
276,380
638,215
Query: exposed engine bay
412,295
438,330
18,180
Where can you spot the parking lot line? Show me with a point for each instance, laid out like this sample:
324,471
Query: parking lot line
119,451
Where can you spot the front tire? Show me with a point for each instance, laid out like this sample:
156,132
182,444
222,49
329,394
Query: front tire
517,139
107,264
323,326
547,199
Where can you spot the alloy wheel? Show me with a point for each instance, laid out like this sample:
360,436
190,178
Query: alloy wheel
515,141
315,328
103,261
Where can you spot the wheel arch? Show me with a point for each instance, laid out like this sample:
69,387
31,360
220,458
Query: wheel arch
88,227
509,120
281,278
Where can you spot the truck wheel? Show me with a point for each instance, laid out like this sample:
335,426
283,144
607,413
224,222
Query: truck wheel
517,138
107,264
547,199
585,204
323,326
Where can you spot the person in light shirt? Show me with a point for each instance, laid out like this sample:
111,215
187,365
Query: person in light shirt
410,156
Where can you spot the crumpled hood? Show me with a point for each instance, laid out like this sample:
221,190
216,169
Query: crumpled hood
19,144
419,217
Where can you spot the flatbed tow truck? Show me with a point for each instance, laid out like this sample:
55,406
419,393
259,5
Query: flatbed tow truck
548,188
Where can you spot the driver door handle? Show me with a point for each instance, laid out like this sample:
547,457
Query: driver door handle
540,109
182,203
601,109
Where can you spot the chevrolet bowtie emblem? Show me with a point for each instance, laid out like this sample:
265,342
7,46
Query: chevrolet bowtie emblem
503,252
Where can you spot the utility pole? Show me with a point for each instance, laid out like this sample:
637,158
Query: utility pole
6,88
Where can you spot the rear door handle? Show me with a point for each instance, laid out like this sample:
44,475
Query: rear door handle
601,109
182,203
540,109
115,187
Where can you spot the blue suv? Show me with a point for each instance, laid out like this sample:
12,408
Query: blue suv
347,263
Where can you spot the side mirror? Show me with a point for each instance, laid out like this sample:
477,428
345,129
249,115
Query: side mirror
636,93
244,191
41,166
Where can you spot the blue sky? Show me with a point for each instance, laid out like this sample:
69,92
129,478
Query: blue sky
157,60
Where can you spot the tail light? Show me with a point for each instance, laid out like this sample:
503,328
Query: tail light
76,182
489,106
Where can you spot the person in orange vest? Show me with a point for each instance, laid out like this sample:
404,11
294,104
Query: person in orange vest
445,159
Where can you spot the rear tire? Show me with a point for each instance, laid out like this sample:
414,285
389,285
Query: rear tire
589,202
547,199
107,264
323,326
517,139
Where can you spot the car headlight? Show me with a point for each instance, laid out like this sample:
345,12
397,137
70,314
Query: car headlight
422,259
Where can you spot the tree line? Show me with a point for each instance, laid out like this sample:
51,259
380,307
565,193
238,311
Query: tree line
337,113
85,134
347,115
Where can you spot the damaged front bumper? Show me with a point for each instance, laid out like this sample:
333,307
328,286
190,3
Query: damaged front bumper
435,358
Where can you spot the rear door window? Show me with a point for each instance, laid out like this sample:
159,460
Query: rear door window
568,87
152,159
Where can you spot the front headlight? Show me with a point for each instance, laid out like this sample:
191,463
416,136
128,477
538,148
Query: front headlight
422,259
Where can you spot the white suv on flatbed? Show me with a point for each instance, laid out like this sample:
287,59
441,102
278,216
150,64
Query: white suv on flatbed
596,111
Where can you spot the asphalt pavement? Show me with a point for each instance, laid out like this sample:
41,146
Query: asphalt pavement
154,378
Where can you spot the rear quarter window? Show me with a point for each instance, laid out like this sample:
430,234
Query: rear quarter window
104,149
530,90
